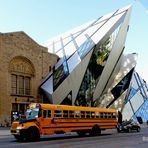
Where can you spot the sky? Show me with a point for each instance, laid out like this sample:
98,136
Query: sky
44,19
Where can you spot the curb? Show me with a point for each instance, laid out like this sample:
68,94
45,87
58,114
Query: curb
5,132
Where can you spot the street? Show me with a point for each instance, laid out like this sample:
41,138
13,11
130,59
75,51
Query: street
108,139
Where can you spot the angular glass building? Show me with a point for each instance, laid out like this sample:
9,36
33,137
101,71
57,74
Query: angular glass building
136,103
92,69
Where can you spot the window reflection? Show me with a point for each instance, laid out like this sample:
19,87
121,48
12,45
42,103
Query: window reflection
93,72
60,74
68,99
122,85
85,47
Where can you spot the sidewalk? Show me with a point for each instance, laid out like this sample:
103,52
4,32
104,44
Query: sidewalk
5,131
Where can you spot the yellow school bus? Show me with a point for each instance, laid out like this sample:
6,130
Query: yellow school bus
46,119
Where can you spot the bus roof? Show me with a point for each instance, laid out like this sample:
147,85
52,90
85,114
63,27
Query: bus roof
67,107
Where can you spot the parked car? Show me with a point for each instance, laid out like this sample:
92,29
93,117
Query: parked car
128,126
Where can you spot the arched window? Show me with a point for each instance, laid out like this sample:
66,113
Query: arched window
22,71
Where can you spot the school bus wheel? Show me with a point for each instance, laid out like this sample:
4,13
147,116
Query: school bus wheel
22,136
95,130
33,134
19,138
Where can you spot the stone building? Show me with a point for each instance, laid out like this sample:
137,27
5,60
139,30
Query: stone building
23,65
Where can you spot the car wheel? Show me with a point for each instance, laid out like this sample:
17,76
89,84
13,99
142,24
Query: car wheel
129,130
138,129
118,130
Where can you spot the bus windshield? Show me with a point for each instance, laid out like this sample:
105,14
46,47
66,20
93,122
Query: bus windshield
32,113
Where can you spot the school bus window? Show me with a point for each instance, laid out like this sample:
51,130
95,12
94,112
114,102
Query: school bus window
87,114
101,115
71,114
82,114
113,115
44,113
77,114
92,114
58,113
49,113
65,114
105,115
97,115
109,115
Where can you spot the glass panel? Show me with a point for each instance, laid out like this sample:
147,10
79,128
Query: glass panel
82,114
92,114
14,107
68,99
135,84
44,113
80,39
99,34
97,114
14,84
91,30
27,85
105,17
69,49
122,85
60,53
60,74
67,40
113,115
21,85
101,115
73,61
49,113
47,87
137,101
71,114
105,115
85,47
76,34
22,109
60,62
132,92
87,114
77,113
57,113
143,112
65,113
109,115
32,113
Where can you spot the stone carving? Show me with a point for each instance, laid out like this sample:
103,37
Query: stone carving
21,65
